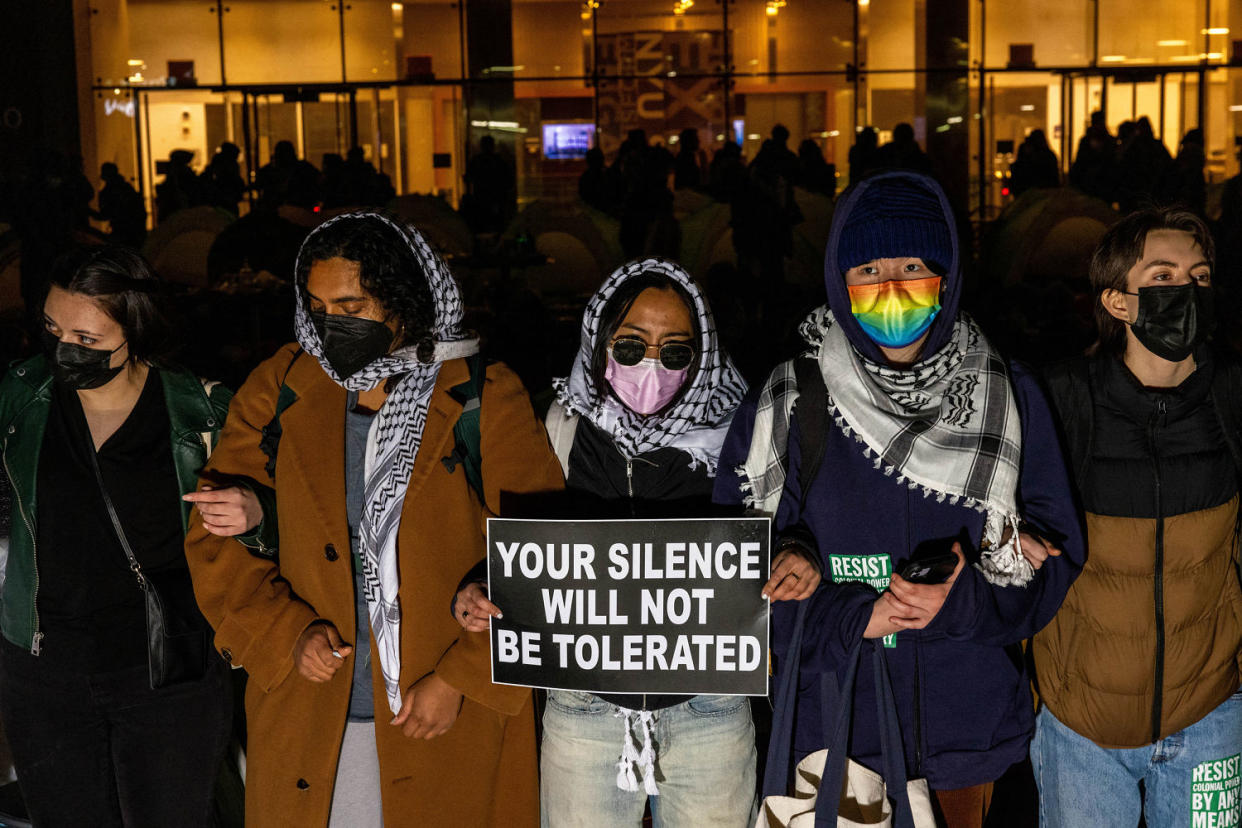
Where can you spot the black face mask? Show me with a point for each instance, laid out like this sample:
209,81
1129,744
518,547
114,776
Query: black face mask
78,366
350,343
1173,320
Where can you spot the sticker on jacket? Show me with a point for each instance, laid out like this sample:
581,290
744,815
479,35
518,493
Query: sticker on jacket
873,570
1214,793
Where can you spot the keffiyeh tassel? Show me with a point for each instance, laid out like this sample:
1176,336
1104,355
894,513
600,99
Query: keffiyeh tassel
626,778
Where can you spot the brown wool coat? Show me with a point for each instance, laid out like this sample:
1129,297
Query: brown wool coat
1096,660
483,771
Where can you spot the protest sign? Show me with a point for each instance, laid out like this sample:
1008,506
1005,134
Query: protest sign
630,606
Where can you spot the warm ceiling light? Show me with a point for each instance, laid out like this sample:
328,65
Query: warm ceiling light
1027,107
1170,43
1217,31
135,62
1112,59
398,6
864,2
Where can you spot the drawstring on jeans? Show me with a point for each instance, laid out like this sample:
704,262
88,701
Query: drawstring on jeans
630,754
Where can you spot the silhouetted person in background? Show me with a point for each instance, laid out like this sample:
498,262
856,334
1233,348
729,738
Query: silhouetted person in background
648,226
79,193
1142,168
222,180
180,188
903,152
1094,171
1186,184
815,174
1036,165
334,181
764,215
593,183
121,206
726,175
287,179
688,168
489,182
781,157
864,154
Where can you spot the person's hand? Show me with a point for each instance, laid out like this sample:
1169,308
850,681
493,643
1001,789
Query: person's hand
473,609
882,613
428,709
794,577
230,511
915,605
320,652
1035,549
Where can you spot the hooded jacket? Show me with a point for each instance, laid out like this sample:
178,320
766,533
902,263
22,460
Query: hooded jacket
962,693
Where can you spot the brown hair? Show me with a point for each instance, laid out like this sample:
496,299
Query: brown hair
1121,248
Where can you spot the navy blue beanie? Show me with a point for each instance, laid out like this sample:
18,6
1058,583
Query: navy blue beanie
892,219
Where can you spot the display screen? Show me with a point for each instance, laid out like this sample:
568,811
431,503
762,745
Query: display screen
567,140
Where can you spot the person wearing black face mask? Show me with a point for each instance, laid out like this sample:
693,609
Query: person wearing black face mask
376,707
101,437
1139,672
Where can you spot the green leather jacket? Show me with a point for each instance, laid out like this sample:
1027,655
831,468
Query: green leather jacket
196,413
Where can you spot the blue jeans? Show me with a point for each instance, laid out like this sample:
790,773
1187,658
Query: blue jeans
705,764
1190,778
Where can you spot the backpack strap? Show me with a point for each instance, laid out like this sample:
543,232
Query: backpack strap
269,443
1069,390
812,410
466,437
1227,400
562,425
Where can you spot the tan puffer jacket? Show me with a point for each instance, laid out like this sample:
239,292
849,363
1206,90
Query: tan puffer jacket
1096,660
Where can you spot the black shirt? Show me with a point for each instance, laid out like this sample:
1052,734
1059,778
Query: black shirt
602,484
91,608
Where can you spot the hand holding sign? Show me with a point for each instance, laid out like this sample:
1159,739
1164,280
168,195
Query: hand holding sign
794,577
473,609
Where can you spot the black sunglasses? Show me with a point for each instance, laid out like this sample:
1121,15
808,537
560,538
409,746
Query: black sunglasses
675,356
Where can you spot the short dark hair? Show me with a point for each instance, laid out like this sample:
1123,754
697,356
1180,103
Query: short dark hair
618,306
127,289
388,270
1122,247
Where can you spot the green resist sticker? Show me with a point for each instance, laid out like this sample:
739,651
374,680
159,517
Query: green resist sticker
1214,793
873,570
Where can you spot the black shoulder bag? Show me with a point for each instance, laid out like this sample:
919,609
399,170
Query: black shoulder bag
177,634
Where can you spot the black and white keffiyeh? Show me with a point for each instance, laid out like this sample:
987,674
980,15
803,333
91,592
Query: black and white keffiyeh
948,425
395,435
697,422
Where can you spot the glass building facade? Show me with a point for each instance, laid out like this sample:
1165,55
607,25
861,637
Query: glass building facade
416,84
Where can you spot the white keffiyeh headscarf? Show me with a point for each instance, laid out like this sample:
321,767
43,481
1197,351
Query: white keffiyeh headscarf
395,434
698,421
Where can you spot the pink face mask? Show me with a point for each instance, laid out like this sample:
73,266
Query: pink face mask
644,388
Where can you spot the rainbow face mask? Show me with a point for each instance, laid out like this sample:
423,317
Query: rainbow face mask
897,312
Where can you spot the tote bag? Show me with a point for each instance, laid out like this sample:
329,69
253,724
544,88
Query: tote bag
829,787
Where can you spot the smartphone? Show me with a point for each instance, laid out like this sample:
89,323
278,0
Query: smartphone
933,569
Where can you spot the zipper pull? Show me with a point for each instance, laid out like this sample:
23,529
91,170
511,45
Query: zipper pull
36,644
629,477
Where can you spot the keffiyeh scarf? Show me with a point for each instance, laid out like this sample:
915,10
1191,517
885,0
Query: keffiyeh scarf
948,425
394,437
697,422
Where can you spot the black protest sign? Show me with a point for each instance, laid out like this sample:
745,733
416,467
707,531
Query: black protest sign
630,606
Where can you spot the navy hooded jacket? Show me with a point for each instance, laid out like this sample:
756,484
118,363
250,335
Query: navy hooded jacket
963,695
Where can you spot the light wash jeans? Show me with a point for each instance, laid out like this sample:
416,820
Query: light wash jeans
1190,778
705,764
